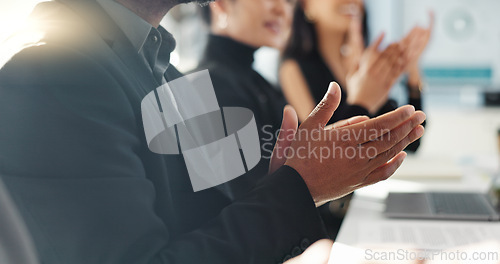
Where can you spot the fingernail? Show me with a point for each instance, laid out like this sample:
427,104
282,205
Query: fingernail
423,117
421,131
405,155
286,107
409,109
331,89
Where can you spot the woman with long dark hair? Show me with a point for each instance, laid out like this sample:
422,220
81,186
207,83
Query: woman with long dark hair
328,42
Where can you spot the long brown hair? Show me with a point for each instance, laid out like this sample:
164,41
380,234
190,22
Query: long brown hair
304,39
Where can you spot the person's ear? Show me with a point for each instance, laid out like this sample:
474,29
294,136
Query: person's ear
219,14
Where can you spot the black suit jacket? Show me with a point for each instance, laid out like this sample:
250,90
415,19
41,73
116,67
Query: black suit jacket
74,156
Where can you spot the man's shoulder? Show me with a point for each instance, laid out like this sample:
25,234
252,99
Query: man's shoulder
54,64
55,28
55,47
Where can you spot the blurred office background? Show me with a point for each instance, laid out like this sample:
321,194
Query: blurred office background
461,65
461,68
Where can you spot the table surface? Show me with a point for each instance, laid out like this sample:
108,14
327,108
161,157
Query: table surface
465,138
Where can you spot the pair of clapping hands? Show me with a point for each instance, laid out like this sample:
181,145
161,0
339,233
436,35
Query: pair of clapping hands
372,72
336,160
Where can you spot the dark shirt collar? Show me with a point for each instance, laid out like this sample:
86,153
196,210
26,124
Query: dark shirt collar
135,28
153,45
229,51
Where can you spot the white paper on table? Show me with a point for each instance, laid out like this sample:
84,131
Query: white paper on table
432,235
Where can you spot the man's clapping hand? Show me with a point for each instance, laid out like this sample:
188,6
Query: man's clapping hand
336,160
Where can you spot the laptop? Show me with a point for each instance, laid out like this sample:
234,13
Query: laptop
445,205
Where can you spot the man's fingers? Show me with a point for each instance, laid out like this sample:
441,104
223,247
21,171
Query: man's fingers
382,124
385,171
320,116
388,140
285,138
348,122
383,157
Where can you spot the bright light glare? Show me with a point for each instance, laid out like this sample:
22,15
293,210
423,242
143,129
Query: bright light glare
13,16
15,44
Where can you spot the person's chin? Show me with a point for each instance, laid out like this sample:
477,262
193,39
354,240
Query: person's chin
276,43
273,44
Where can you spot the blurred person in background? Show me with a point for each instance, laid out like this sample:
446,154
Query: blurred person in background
328,42
237,29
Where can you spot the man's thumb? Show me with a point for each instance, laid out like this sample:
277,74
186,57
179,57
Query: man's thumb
325,109
285,138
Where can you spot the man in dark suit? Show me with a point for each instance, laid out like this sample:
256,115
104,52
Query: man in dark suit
73,151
